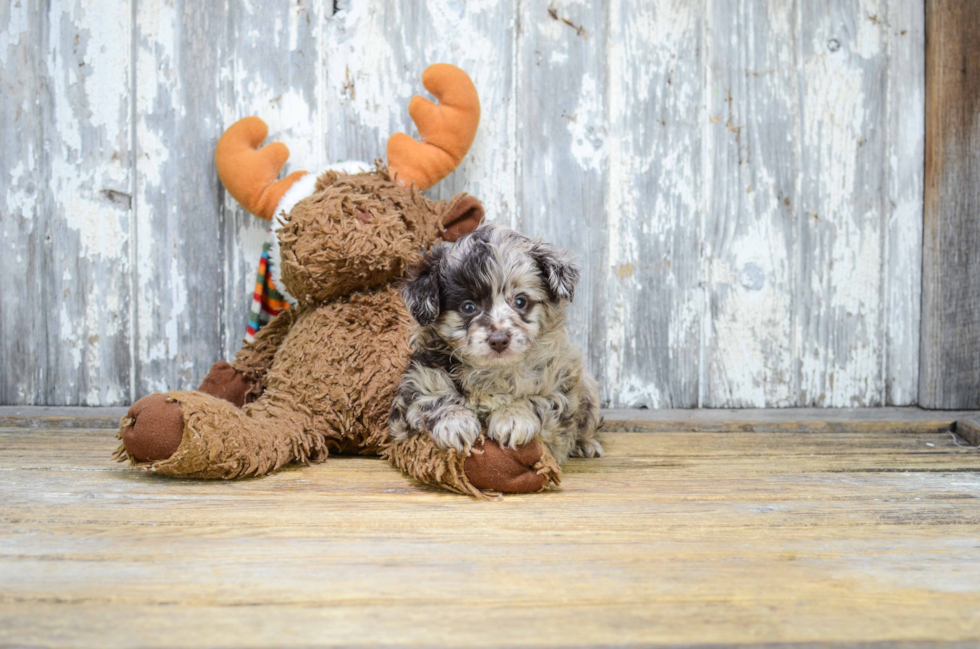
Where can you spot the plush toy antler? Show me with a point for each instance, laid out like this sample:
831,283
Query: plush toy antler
249,173
447,128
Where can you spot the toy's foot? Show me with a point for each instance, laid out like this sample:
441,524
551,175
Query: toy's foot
153,428
526,469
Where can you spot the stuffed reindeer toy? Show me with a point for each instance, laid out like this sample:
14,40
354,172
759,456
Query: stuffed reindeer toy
321,376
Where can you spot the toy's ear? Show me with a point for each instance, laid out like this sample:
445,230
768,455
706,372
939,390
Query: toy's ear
422,293
559,271
464,215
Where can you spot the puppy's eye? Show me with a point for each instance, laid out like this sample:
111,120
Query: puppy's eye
520,302
468,307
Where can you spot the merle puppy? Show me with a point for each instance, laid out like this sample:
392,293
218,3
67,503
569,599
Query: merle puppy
490,350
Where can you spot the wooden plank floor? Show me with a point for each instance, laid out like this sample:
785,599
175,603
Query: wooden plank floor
673,538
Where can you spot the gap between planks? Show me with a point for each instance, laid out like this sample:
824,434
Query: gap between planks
763,420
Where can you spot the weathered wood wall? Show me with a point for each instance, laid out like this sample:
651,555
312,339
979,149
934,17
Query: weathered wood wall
742,180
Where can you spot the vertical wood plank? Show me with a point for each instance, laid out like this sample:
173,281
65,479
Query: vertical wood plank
841,222
904,164
563,127
274,69
22,319
86,202
811,185
950,343
653,296
369,79
753,152
179,286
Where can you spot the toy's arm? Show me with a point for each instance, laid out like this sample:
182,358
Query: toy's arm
255,358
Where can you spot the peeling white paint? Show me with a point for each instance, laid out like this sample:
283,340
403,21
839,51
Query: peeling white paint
88,99
364,60
17,27
587,127
703,285
157,91
846,278
21,192
85,66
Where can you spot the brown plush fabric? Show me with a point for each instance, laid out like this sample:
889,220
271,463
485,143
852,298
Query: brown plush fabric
152,429
222,441
529,468
225,383
464,215
328,248
488,470
254,359
419,457
331,387
321,377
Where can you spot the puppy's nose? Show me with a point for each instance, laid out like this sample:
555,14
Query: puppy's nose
499,340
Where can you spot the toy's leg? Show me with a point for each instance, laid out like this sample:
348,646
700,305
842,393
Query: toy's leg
215,439
486,471
153,428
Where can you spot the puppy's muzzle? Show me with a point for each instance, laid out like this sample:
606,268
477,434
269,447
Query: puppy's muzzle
498,341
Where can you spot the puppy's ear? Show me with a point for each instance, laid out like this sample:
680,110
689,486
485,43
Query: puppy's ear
559,271
421,292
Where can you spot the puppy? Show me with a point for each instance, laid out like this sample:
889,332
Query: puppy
490,350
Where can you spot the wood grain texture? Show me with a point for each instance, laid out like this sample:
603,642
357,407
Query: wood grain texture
968,428
273,69
813,231
23,352
651,295
840,225
178,280
562,142
950,362
67,210
86,104
751,186
741,181
903,159
673,539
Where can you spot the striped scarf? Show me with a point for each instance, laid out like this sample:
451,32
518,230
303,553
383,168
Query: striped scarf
267,302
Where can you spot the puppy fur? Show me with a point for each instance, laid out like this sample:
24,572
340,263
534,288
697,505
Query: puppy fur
490,350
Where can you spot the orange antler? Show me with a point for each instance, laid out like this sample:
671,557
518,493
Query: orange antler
249,173
447,128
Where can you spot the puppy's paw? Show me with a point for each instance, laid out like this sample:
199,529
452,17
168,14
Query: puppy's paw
455,428
512,427
588,448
